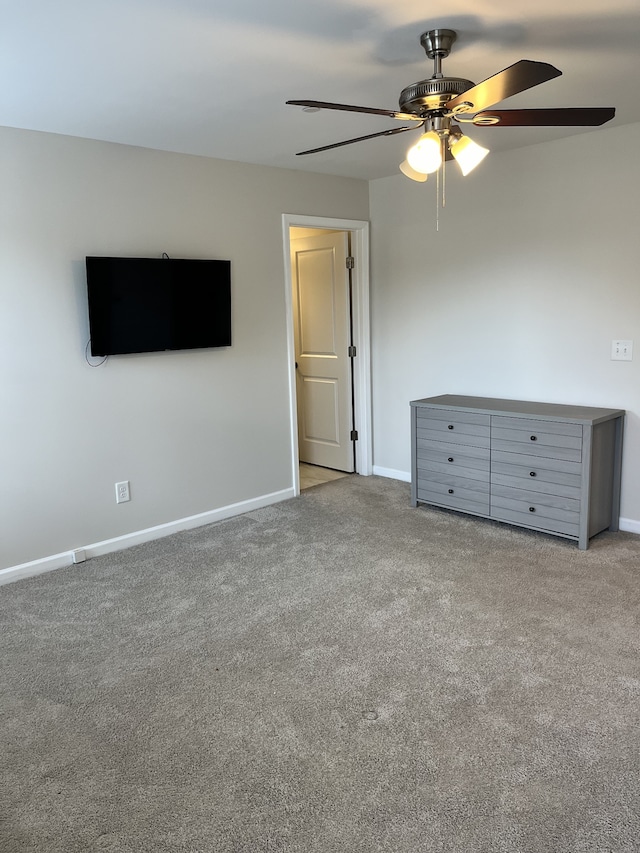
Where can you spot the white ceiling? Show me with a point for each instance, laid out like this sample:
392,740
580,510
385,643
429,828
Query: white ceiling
211,77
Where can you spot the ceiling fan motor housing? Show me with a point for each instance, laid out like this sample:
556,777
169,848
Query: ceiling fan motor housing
426,95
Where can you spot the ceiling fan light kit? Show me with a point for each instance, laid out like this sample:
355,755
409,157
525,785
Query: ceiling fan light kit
426,155
467,153
406,170
434,104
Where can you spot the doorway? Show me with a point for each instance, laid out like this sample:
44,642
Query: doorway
327,379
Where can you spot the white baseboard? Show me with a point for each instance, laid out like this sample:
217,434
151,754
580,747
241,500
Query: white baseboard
108,546
119,543
392,474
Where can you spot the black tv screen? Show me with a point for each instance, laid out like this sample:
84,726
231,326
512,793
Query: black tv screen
154,304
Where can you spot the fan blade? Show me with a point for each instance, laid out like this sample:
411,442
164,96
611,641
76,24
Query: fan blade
560,117
325,105
357,139
516,78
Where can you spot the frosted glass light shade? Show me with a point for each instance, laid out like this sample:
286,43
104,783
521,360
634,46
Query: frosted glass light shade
467,153
406,169
426,155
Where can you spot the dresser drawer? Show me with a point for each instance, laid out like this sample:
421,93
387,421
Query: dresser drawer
427,470
456,493
548,525
454,475
537,474
534,425
455,416
454,428
444,457
533,509
548,439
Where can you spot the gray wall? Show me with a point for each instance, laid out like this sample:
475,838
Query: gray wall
192,431
532,273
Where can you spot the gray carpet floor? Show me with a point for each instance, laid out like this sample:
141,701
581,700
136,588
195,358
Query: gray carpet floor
338,672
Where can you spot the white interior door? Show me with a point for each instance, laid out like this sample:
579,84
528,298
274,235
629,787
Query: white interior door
322,336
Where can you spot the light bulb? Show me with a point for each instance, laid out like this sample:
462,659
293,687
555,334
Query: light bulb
426,155
406,169
467,153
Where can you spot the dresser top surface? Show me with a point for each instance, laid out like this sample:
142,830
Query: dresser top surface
547,411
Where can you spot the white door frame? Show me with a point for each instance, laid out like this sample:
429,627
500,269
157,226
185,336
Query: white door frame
359,230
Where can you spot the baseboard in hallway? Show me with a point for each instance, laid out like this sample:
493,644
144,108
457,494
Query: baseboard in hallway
314,475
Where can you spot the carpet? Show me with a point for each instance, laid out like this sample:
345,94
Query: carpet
337,672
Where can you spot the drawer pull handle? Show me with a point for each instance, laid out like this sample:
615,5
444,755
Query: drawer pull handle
450,491
532,509
532,473
450,459
534,438
450,426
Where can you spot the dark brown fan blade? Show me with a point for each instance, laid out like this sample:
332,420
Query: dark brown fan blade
555,117
516,78
357,139
325,105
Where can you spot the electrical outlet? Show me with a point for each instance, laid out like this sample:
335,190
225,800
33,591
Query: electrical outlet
621,350
122,492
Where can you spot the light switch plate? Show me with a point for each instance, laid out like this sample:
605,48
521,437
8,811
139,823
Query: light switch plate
621,350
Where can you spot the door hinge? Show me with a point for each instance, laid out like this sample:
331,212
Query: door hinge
351,352
351,262
354,435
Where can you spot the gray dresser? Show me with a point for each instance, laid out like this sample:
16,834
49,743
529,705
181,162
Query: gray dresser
544,466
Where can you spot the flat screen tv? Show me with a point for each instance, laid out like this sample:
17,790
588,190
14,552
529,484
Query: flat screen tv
153,304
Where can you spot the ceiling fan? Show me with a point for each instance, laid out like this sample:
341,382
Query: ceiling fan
440,104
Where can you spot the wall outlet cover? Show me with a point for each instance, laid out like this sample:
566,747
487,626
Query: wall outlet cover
122,492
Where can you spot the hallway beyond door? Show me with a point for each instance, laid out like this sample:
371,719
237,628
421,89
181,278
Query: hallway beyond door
314,475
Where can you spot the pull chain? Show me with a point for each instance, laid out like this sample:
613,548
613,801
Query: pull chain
444,176
440,181
438,199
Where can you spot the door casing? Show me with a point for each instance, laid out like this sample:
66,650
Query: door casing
359,230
